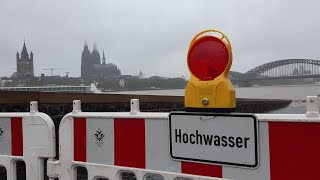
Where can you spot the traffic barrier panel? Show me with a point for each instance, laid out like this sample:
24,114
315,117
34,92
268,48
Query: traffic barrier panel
107,144
289,146
28,137
139,142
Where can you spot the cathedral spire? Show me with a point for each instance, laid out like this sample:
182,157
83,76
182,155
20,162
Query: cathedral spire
86,46
95,55
24,52
31,55
95,48
103,58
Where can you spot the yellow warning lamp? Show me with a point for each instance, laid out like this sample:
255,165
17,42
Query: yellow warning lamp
209,61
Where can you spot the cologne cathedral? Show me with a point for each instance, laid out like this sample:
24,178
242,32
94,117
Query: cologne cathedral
95,68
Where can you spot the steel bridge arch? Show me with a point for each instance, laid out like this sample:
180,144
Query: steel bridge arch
271,65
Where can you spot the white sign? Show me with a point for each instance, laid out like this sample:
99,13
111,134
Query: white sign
227,139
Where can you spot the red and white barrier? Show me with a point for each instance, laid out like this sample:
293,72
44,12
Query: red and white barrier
289,145
29,137
11,136
108,143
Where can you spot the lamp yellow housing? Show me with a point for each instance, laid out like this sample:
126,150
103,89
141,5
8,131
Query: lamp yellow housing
209,61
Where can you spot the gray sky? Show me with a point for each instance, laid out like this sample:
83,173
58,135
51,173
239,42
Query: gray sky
154,35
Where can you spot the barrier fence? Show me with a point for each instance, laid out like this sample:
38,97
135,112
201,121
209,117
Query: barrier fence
27,137
115,145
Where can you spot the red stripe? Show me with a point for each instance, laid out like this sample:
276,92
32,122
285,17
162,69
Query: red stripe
80,141
201,169
129,145
294,150
17,136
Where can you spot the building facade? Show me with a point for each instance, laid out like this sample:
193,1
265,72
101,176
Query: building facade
25,68
93,69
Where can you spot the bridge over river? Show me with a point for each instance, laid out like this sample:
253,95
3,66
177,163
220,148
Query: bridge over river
281,72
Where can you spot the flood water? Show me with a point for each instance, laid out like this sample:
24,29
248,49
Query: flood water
294,92
297,93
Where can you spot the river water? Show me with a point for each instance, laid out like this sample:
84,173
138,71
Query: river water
297,93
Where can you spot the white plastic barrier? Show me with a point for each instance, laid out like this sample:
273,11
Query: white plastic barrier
29,137
108,143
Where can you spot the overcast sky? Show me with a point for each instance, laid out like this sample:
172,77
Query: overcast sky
154,35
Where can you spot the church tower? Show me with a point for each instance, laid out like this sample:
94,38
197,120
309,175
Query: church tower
93,69
25,68
95,55
86,65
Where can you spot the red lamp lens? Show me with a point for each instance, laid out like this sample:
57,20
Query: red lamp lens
208,58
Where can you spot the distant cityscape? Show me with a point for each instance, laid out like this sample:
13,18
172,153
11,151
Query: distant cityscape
94,69
107,76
